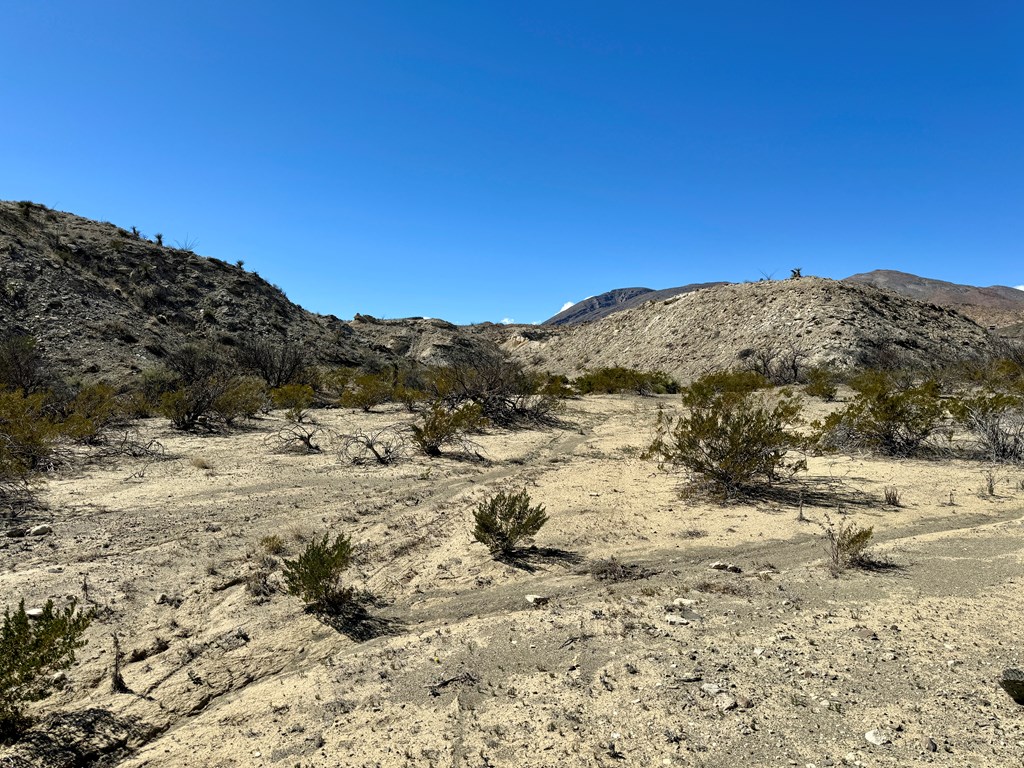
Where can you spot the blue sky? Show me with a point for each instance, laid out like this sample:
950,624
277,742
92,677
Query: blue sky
482,160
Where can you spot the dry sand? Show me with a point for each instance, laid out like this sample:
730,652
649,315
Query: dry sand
778,665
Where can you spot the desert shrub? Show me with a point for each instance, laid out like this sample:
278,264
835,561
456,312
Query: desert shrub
197,362
28,435
845,545
273,544
294,399
31,650
555,385
506,394
94,409
888,415
21,365
154,383
733,440
995,420
443,426
503,520
276,364
366,391
383,446
821,382
244,397
192,406
778,363
617,379
315,576
333,382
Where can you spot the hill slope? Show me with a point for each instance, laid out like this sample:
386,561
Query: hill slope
101,300
831,322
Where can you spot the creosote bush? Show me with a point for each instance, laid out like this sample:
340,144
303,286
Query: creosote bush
618,379
294,399
888,415
503,520
732,438
443,426
366,391
31,650
821,382
315,576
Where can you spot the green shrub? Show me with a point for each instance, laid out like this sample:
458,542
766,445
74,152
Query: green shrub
21,365
244,397
94,408
366,391
821,382
315,576
31,650
28,435
446,426
733,440
888,415
506,394
294,399
617,379
504,520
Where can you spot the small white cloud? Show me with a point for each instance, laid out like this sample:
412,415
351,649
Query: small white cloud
1019,287
567,305
507,321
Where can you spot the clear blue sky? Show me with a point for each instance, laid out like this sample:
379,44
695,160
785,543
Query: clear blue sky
482,160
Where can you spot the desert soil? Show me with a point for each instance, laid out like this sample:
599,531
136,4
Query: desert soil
780,664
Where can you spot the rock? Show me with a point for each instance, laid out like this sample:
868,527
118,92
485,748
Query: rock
40,530
743,702
17,533
928,744
720,566
34,613
711,689
537,600
1013,683
675,619
683,602
877,737
172,600
725,703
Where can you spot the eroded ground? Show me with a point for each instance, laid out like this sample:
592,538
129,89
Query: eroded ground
778,665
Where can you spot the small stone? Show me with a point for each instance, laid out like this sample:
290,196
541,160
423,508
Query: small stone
877,737
711,689
674,619
725,703
1013,683
720,566
683,602
743,702
928,744
17,533
34,613
40,530
537,600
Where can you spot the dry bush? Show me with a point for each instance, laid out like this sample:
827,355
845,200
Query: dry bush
892,495
366,391
845,545
383,446
996,422
304,437
276,364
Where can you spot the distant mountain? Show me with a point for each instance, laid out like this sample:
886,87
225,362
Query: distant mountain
596,307
995,306
827,322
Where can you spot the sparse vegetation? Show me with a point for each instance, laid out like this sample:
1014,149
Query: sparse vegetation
732,439
315,576
294,399
382,446
617,379
443,426
503,520
821,382
845,545
31,651
366,391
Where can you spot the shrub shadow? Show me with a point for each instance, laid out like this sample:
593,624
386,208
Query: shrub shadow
355,622
85,738
530,559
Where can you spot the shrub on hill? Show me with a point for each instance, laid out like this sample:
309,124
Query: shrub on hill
617,379
276,364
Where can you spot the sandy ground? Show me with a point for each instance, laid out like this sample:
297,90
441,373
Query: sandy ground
778,665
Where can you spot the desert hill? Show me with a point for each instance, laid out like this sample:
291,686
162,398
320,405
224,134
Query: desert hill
102,300
828,321
596,307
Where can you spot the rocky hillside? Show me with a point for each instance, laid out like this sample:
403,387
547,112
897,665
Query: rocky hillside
997,306
829,322
101,300
596,307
